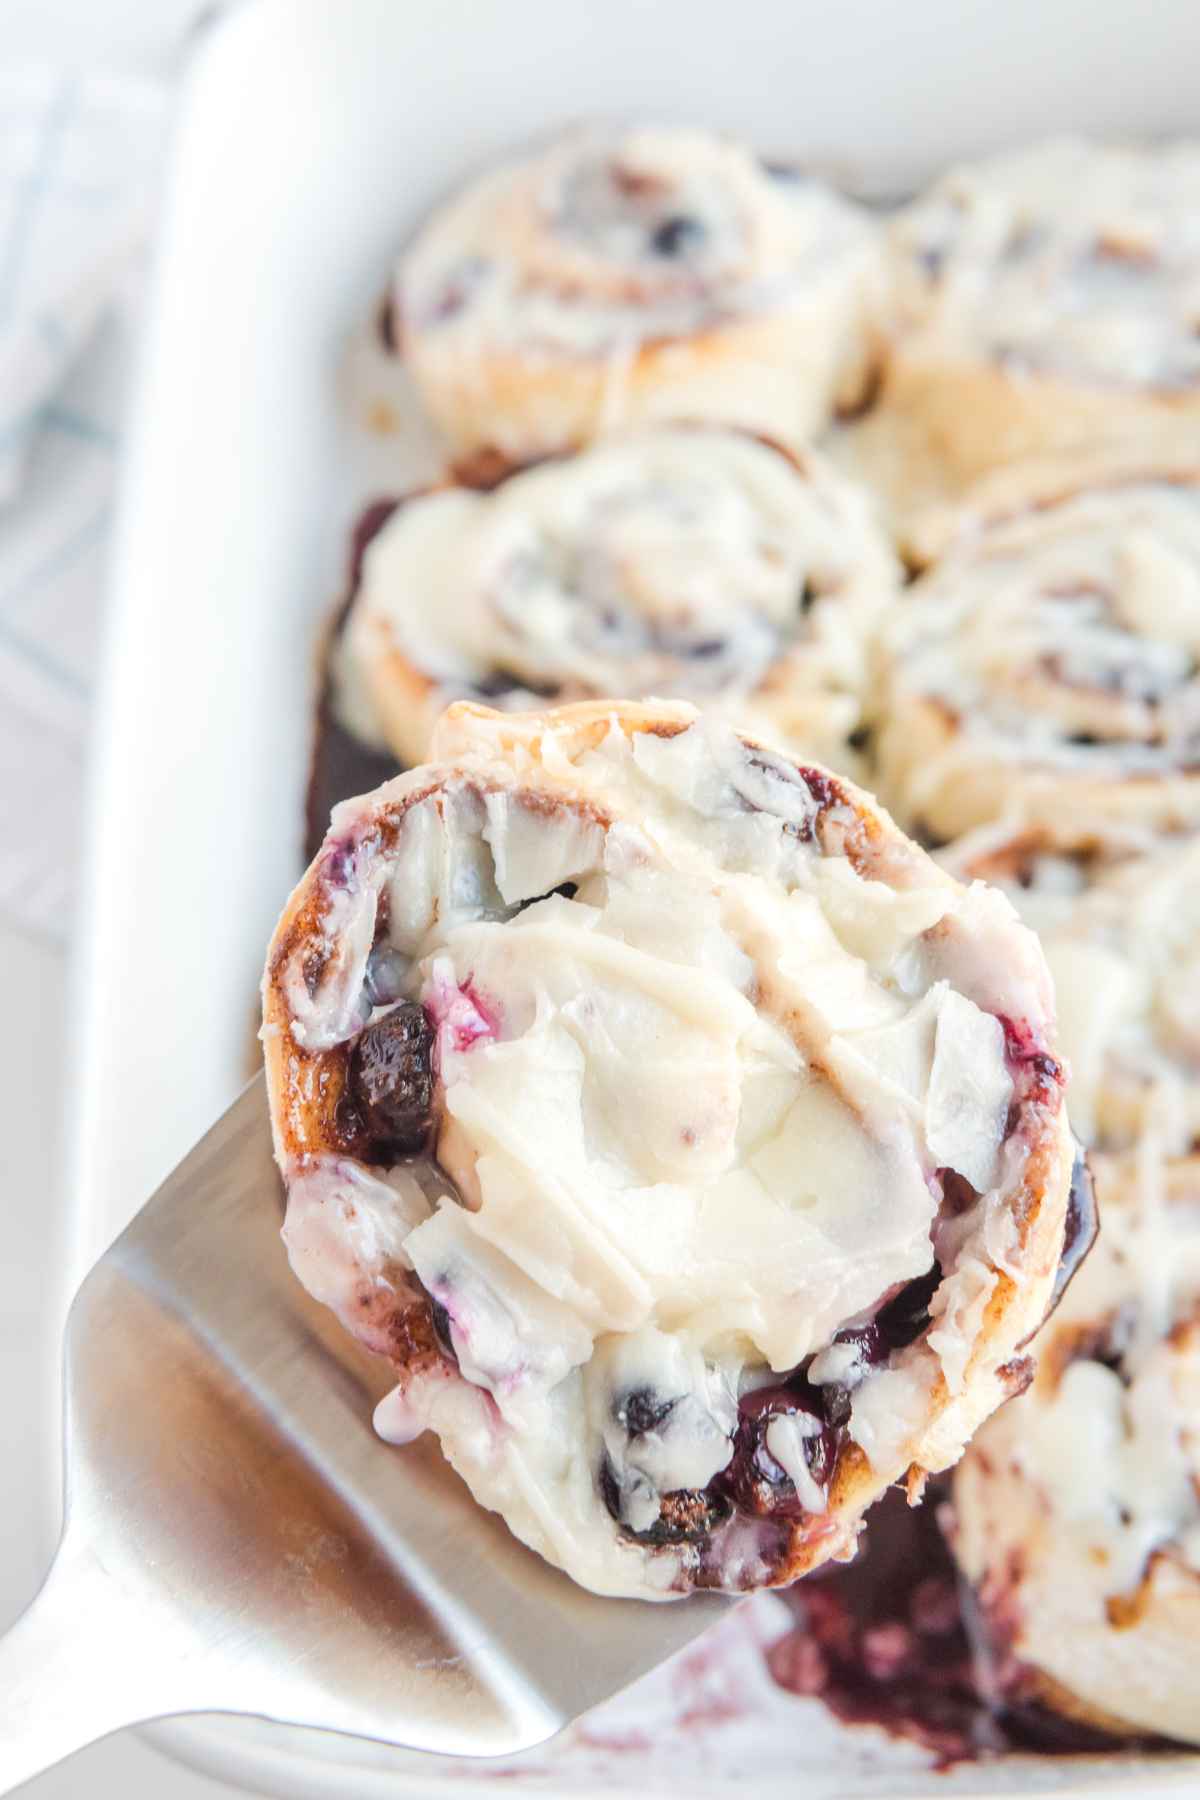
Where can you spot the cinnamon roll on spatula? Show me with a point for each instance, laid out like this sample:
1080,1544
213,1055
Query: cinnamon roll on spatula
690,1143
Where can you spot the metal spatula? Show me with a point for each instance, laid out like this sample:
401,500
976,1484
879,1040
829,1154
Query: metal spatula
239,1541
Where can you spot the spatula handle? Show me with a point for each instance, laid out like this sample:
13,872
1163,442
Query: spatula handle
76,1666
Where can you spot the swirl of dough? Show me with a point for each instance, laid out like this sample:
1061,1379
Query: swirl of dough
1047,669
690,563
752,1163
614,277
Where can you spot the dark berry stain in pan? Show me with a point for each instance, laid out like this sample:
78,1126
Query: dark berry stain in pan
881,1640
893,1639
387,325
884,1641
342,766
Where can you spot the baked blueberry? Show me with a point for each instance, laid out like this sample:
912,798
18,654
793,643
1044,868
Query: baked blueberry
391,1078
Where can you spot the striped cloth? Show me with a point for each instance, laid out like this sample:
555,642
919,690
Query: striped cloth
79,160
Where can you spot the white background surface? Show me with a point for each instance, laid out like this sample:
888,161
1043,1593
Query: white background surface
34,976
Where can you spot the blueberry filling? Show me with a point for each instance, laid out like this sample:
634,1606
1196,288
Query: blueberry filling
457,289
958,1196
905,1317
686,1516
642,1410
706,648
754,1476
499,682
385,973
1023,1050
894,1327
386,325
678,235
442,1328
389,1082
755,1479
823,788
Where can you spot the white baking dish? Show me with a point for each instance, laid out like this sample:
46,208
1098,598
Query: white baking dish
313,134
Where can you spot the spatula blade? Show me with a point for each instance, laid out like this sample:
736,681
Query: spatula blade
223,1464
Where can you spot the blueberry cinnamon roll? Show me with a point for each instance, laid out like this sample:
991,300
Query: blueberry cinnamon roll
696,563
1121,933
692,1146
1046,671
1077,1508
1047,299
619,276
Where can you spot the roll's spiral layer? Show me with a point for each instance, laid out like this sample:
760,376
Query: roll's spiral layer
693,563
1077,1510
1046,670
1122,940
752,1161
617,277
1047,299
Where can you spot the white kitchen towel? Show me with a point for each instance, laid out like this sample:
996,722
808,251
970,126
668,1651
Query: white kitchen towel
80,157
